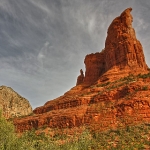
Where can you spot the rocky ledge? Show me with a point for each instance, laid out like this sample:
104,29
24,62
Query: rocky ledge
12,104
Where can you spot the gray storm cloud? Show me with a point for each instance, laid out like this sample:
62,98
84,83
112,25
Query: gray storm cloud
43,42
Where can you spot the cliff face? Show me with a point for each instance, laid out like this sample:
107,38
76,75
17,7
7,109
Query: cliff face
12,104
98,101
122,52
95,67
122,49
100,107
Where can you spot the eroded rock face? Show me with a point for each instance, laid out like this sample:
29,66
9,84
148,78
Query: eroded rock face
123,105
105,104
122,51
80,78
12,104
95,67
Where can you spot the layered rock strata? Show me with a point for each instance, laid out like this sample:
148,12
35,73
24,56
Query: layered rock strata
99,108
12,104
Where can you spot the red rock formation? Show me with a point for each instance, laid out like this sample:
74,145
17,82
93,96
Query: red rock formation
103,104
122,53
80,78
95,67
124,101
122,49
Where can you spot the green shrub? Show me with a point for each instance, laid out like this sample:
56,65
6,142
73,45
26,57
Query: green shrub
130,137
143,75
145,88
103,84
8,138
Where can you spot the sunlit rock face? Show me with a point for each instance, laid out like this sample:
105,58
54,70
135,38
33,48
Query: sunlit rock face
12,104
110,94
122,49
122,52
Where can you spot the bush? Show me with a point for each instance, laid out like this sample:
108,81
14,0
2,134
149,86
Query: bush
8,138
144,76
145,88
130,137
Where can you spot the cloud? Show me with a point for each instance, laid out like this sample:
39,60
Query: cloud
141,24
41,6
43,52
44,42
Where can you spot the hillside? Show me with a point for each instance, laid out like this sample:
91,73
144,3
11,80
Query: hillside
12,104
114,92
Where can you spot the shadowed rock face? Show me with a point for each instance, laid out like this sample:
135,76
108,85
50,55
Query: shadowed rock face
122,52
95,67
80,78
12,104
107,103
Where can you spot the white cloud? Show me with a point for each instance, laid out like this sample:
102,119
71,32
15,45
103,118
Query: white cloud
43,52
41,6
12,41
141,24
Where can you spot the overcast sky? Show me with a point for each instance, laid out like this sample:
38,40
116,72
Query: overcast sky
43,42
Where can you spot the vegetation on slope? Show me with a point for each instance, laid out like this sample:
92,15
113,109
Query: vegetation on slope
130,137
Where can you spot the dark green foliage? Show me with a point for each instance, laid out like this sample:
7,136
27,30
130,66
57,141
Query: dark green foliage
145,88
8,138
129,78
103,84
130,137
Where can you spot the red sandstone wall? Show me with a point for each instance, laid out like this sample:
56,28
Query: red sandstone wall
95,67
122,51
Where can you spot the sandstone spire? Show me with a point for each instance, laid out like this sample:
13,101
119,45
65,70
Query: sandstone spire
80,78
122,52
103,105
122,49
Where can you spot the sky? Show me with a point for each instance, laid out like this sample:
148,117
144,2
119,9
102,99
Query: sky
43,43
